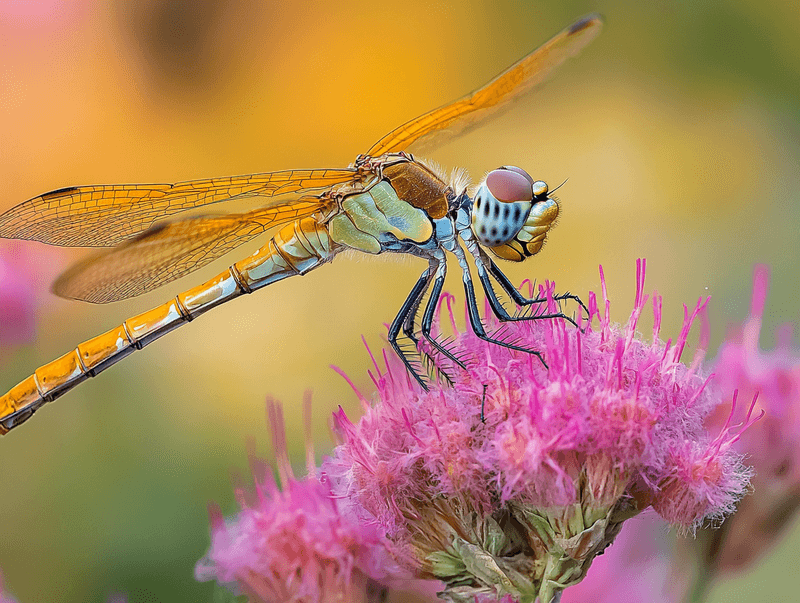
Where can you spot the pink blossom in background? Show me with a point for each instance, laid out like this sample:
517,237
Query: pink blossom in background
19,274
42,16
521,502
772,446
635,569
292,543
773,375
4,596
26,272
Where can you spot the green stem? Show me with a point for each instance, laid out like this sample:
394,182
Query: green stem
701,585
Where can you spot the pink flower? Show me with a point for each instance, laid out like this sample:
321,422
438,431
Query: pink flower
18,272
771,445
4,596
293,543
42,17
775,377
636,569
518,502
703,472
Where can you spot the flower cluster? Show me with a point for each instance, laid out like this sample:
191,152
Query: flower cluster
519,498
292,543
504,486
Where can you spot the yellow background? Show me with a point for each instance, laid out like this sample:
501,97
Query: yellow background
677,128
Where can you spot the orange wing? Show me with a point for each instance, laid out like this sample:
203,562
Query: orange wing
437,126
172,249
102,216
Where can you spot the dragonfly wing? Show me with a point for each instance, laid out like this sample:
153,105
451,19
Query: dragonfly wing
103,216
170,250
436,127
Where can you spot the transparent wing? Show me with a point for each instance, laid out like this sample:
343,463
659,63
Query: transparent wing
170,250
102,216
436,127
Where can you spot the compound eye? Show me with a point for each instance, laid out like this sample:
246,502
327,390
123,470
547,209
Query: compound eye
508,185
540,188
520,171
496,221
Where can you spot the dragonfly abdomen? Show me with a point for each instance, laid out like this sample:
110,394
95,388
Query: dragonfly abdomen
295,249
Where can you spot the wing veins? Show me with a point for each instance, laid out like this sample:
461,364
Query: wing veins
436,127
106,215
170,250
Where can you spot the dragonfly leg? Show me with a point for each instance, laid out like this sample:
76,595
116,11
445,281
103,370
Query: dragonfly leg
409,308
520,299
482,261
503,314
410,323
474,314
430,309
483,403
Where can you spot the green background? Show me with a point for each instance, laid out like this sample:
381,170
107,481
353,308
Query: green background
678,129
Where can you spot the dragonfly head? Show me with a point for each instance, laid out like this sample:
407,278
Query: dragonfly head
512,212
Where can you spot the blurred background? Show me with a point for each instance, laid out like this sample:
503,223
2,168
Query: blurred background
678,128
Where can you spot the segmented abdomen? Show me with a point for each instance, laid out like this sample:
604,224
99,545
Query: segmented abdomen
295,249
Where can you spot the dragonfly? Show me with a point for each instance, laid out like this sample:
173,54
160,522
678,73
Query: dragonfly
387,201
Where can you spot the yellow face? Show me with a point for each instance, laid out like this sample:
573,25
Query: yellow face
529,240
512,213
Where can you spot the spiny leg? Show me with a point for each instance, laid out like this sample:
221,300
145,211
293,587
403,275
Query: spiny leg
482,260
430,309
409,324
409,306
520,299
480,331
474,314
501,312
437,268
